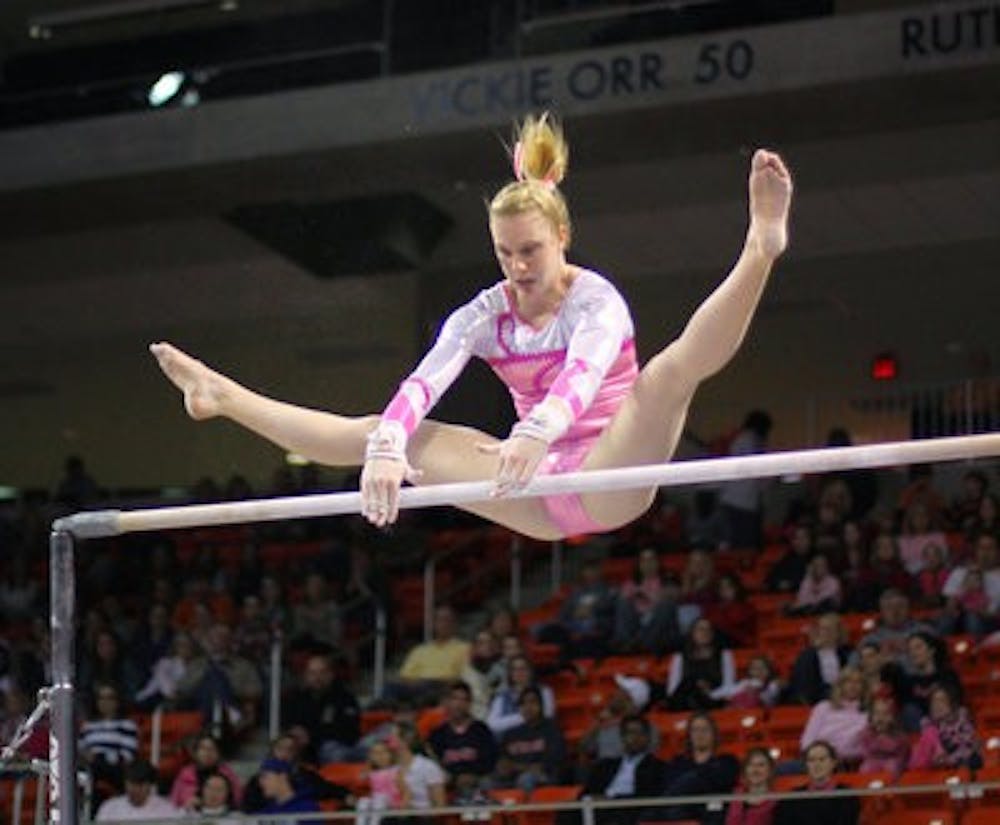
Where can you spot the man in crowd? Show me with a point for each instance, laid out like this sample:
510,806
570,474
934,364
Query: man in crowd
324,714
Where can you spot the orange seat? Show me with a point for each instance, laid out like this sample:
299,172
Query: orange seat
429,719
918,816
980,816
371,719
787,721
547,794
509,796
351,775
930,799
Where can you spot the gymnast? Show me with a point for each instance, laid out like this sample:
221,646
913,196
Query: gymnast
559,336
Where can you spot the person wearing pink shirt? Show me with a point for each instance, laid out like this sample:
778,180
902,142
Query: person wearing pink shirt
841,719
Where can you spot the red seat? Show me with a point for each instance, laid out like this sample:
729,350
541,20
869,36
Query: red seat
550,793
930,799
351,775
918,816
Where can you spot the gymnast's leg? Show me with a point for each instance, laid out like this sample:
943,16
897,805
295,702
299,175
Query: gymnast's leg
443,453
648,425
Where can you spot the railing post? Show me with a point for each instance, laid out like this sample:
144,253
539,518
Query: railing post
62,725
515,571
156,735
588,811
429,566
381,627
274,704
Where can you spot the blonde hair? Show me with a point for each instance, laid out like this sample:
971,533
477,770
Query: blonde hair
837,691
541,157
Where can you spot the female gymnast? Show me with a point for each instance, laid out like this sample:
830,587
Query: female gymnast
561,338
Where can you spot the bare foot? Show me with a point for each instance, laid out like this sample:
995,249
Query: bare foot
770,199
204,389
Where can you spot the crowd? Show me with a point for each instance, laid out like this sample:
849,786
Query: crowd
466,717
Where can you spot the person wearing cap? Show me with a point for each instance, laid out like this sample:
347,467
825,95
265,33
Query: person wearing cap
533,752
140,800
283,797
604,740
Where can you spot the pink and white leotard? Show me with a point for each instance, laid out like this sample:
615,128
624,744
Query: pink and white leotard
583,359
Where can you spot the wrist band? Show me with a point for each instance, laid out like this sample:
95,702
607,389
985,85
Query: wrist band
387,440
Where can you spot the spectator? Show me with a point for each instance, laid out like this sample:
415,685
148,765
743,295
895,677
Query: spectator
933,577
504,709
948,738
646,611
253,633
483,655
503,621
698,585
819,591
917,532
987,517
700,770
105,663
759,688
702,666
756,777
324,714
282,796
429,667
384,781
19,593
223,686
787,573
821,765
109,740
733,615
885,746
153,640
978,621
603,740
532,753
921,490
77,489
840,719
893,627
586,619
140,800
316,624
926,667
965,510
16,710
862,484
217,804
403,712
886,571
636,774
305,777
742,501
168,672
464,746
423,779
207,759
817,668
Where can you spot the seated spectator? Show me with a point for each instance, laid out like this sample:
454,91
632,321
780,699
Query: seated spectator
979,619
585,625
305,778
787,573
383,780
840,719
281,794
948,738
699,587
819,591
403,711
881,677
917,532
316,624
104,662
700,770
253,633
324,713
646,611
207,759
532,753
505,708
760,687
702,666
153,640
987,518
216,803
423,779
636,774
817,667
921,490
503,621
463,746
221,684
109,740
756,777
430,666
933,577
886,571
742,501
964,510
893,628
925,668
483,655
140,800
821,765
885,746
603,740
168,673
732,614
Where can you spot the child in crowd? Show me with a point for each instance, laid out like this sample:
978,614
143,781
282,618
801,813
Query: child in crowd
884,744
931,579
948,738
383,778
760,688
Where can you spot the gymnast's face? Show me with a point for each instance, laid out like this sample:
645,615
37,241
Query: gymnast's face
531,252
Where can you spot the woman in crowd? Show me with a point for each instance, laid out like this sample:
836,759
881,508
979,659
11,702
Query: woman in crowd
505,708
646,610
948,738
821,766
206,759
701,667
756,777
109,740
840,719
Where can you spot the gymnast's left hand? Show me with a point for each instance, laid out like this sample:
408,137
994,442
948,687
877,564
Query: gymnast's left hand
519,456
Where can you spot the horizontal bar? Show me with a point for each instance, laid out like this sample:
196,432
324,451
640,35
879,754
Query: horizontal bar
703,471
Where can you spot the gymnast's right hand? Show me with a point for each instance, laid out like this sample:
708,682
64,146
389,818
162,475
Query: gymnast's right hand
385,470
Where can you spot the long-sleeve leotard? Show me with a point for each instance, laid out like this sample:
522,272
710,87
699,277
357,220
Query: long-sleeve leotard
572,374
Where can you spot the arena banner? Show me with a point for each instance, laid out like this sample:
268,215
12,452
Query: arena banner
814,53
